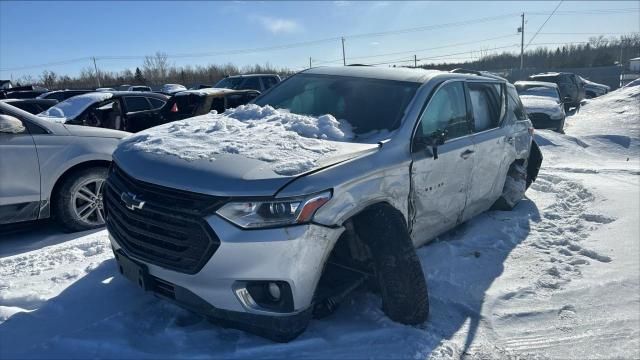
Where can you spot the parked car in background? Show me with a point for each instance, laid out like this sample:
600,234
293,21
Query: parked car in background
171,89
139,88
23,92
593,89
543,104
32,106
264,248
259,82
107,109
570,85
189,103
48,169
62,95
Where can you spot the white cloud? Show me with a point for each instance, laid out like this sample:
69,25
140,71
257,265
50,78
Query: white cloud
341,3
277,25
374,43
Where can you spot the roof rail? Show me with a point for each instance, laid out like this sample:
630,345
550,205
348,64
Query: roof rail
479,73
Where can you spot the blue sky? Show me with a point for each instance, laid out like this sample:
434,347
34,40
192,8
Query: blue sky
33,33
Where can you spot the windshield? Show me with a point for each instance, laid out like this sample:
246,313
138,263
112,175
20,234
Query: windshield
229,83
367,104
538,91
74,106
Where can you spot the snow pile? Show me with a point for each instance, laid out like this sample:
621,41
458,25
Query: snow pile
616,113
73,106
291,143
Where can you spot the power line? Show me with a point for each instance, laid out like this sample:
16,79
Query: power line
543,24
270,48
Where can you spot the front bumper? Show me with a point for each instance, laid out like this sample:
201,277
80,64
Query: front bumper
295,255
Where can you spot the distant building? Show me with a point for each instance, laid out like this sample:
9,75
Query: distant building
634,65
5,84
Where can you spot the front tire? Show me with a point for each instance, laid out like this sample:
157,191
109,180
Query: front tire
402,283
78,204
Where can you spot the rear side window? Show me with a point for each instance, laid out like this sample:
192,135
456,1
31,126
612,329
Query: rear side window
136,103
486,101
447,111
156,103
269,81
252,83
516,109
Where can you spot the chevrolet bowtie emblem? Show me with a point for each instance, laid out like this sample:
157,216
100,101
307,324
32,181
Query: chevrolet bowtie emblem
130,201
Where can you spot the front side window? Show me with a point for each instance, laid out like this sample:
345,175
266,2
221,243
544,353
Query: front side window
229,83
269,81
486,101
446,111
366,104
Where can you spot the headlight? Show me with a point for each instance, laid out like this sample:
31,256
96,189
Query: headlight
259,214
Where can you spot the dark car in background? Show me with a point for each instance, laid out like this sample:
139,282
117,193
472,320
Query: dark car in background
23,92
107,109
62,95
543,104
259,82
190,103
32,106
570,85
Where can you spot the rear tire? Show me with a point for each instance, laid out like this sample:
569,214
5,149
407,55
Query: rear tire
514,188
402,283
78,203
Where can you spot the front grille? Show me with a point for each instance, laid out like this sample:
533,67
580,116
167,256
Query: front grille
169,230
535,117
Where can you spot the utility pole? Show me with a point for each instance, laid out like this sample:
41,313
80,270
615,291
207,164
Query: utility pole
344,59
309,62
522,43
415,61
95,66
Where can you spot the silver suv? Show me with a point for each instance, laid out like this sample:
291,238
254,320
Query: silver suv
48,168
264,252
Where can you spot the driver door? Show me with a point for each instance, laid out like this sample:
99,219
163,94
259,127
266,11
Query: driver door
439,185
19,175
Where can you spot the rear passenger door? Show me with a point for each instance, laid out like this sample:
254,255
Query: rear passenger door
440,185
491,145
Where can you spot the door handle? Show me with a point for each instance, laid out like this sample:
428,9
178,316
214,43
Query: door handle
510,140
466,154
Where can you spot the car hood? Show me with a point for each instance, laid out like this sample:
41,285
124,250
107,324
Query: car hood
227,175
541,104
79,130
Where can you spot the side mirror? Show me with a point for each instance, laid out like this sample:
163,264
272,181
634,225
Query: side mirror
11,125
566,99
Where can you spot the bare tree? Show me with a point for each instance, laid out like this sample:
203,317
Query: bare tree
155,67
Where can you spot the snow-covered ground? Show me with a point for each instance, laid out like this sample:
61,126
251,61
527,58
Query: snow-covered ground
558,277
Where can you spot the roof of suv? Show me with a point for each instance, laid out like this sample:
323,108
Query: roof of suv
547,74
250,75
397,74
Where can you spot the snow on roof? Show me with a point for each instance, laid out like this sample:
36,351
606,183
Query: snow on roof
638,58
537,83
290,143
205,91
73,106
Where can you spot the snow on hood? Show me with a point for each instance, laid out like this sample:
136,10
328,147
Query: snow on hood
73,106
291,144
541,104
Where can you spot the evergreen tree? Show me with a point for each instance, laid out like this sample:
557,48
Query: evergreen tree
139,77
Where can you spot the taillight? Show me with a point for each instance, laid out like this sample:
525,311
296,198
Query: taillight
174,108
